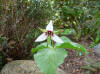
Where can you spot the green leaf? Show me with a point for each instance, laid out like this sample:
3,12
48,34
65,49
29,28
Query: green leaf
49,59
66,31
72,45
97,39
65,39
39,47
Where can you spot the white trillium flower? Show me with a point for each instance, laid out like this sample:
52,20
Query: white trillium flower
49,32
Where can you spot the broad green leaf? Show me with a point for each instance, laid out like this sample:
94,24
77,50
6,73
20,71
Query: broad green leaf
39,47
65,39
72,45
49,59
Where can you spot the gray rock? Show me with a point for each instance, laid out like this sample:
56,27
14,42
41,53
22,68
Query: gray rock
97,50
24,67
20,67
60,71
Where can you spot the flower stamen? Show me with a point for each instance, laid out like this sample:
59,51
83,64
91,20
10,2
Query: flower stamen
49,33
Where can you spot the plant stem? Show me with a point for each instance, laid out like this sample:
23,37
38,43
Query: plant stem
48,41
52,43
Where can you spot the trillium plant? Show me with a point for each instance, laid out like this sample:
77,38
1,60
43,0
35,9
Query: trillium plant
50,54
49,33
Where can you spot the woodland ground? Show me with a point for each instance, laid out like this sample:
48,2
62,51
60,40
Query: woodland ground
73,63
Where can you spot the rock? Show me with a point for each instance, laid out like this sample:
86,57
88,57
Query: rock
97,50
60,71
24,67
20,67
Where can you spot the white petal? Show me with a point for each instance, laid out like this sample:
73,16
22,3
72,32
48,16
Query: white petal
56,39
50,26
42,37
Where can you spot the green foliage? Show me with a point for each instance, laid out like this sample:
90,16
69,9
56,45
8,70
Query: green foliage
65,39
1,63
3,44
2,39
67,44
20,21
23,18
48,59
66,31
83,16
95,40
39,47
71,45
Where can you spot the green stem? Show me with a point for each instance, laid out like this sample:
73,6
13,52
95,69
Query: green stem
52,43
48,41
